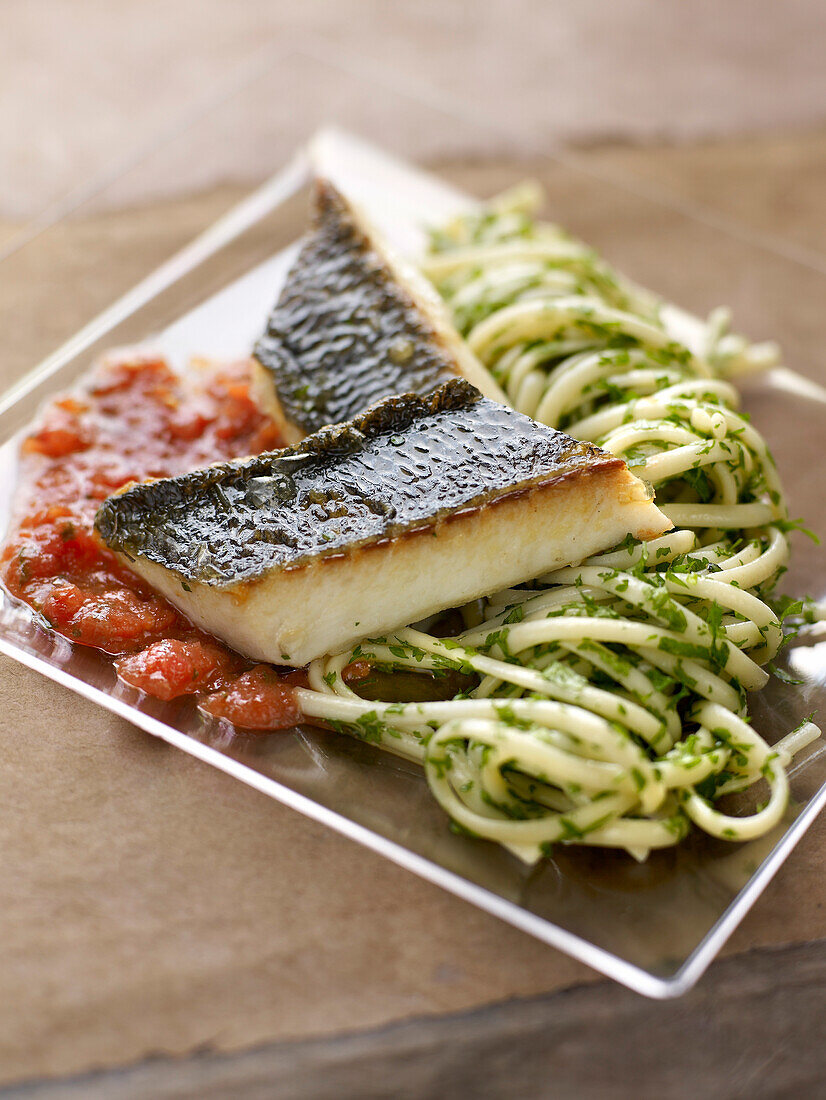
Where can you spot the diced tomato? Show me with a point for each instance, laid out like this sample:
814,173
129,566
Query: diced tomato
136,420
355,671
116,620
259,699
174,667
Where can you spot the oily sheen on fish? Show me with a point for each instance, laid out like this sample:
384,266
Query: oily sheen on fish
420,504
354,324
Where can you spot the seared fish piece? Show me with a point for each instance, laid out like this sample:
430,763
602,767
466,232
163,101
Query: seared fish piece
354,324
421,503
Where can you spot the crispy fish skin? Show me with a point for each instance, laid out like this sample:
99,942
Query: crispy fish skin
354,324
421,503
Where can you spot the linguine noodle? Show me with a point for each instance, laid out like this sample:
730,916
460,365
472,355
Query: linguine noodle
608,700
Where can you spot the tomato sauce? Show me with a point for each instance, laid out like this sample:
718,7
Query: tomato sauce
136,419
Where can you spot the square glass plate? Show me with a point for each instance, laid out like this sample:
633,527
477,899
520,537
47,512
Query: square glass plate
654,927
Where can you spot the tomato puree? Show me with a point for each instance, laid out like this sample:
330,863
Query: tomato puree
136,419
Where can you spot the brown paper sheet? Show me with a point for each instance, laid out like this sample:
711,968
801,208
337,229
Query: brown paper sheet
151,904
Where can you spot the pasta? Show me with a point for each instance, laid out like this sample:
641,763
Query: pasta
603,704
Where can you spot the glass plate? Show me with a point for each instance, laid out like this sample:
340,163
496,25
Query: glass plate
654,927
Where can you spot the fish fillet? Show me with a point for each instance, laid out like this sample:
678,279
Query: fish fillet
354,323
419,504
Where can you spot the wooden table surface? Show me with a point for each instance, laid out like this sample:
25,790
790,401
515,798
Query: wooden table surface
159,939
